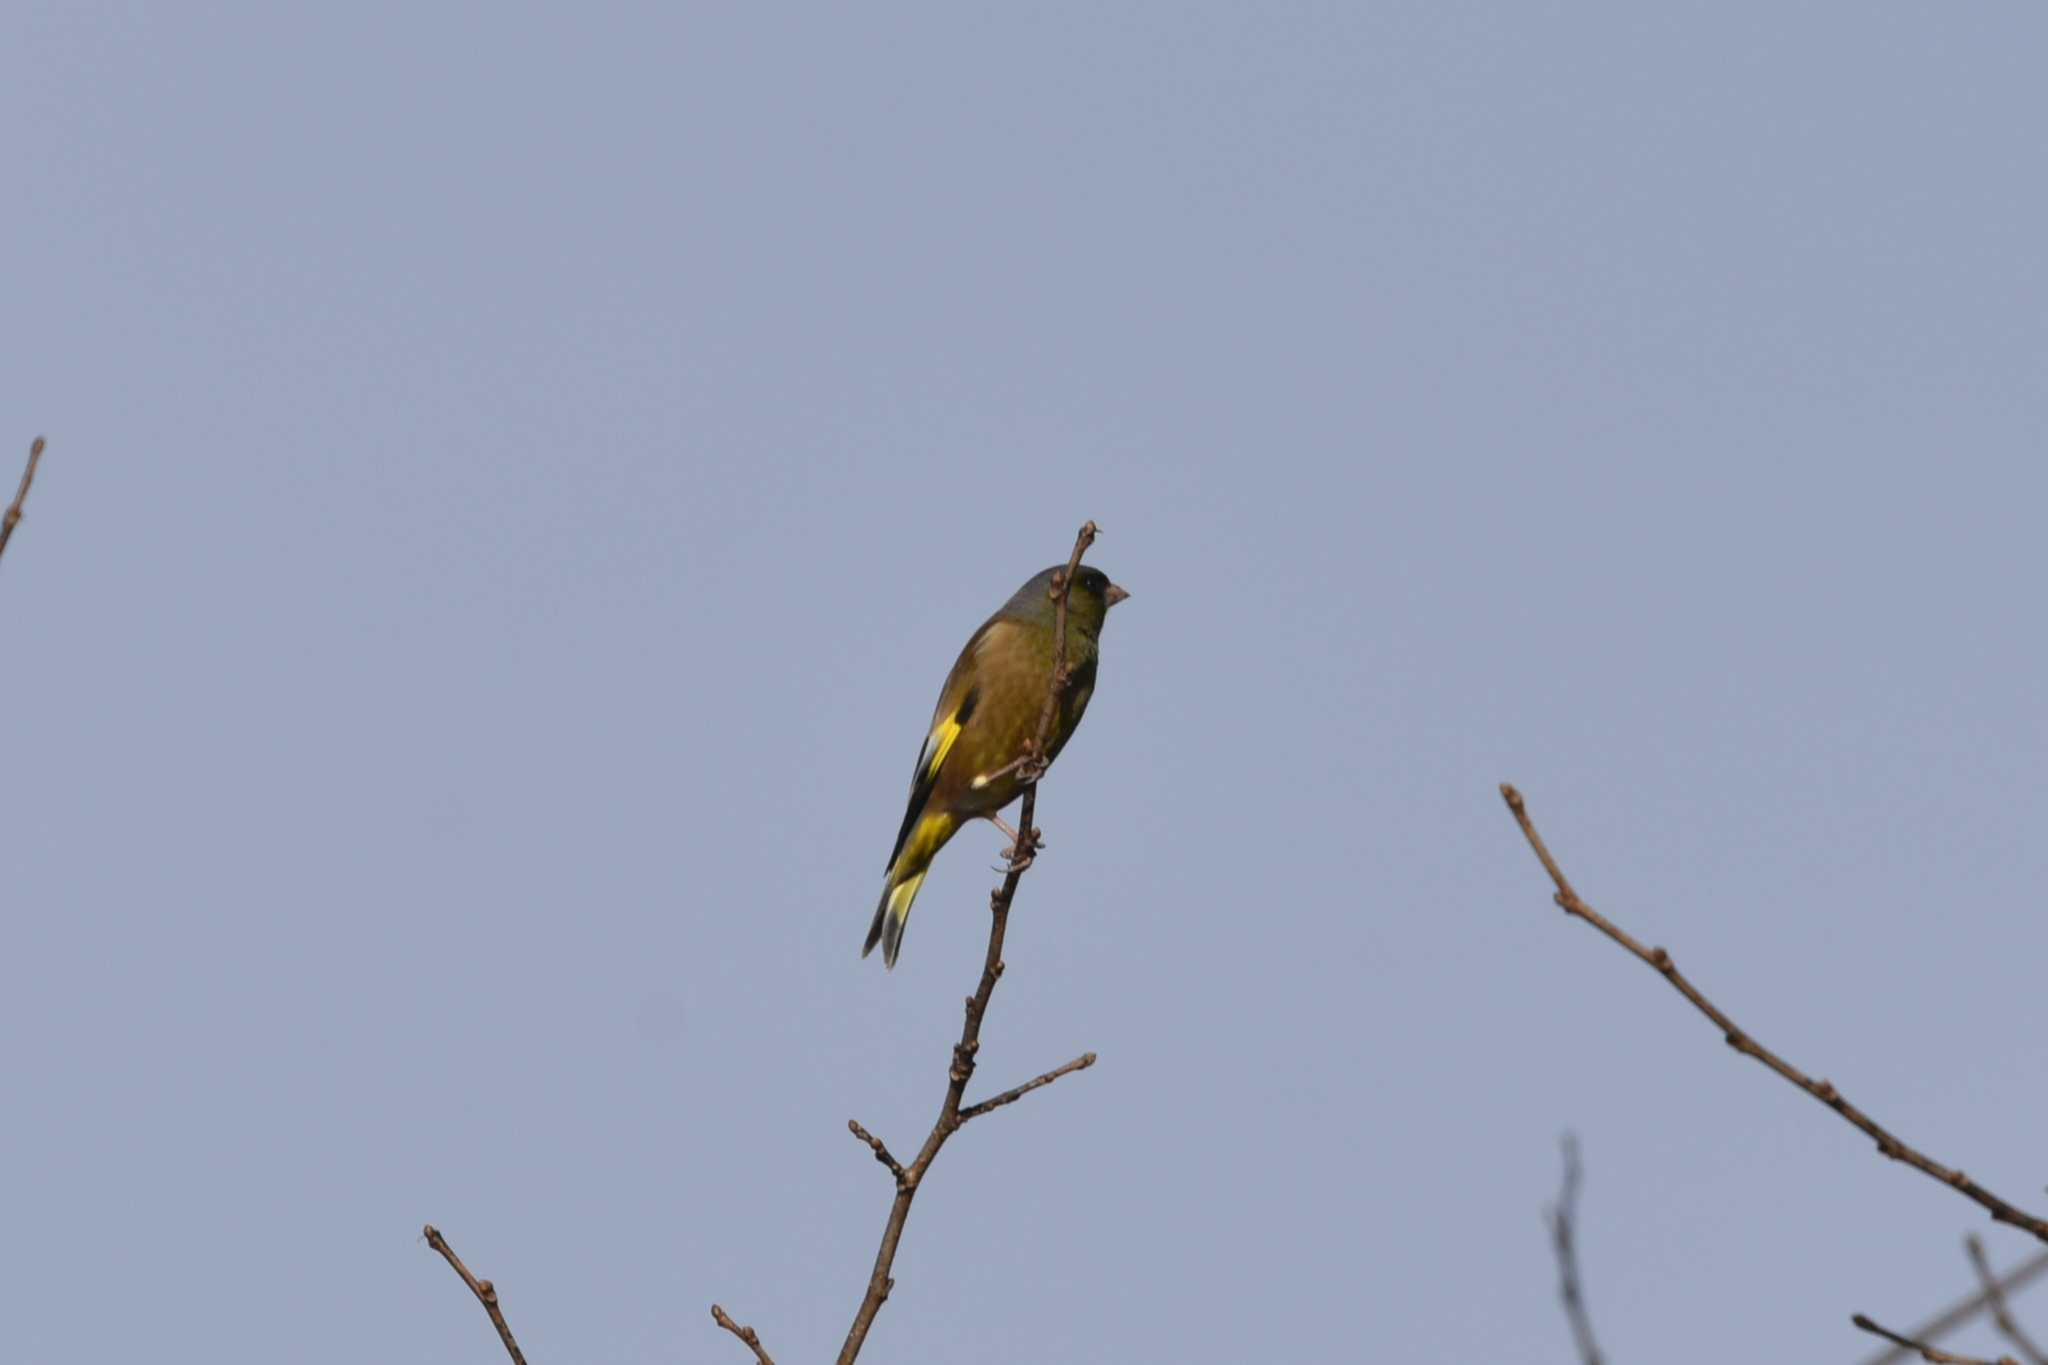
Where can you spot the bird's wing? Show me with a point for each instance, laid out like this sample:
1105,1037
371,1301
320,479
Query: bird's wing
956,708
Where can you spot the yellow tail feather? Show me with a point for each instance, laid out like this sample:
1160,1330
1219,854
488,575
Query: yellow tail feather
901,886
896,914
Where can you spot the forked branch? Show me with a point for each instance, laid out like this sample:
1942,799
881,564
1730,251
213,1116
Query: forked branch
1963,1310
2001,1312
952,1113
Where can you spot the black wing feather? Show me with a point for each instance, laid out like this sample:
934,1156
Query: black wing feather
923,780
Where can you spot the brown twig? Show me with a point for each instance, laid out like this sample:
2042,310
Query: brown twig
1563,1242
746,1334
1935,1354
875,1144
1994,1299
1742,1042
1961,1311
28,476
486,1292
1011,1096
951,1114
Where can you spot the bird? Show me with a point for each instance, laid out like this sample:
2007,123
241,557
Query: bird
988,711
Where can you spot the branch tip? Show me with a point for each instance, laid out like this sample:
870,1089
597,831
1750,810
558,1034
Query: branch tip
10,518
1932,1353
748,1335
1746,1043
486,1292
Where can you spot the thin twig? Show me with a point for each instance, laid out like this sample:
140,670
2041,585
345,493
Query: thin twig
1011,1096
1562,1240
951,1115
746,1334
875,1144
1994,1299
486,1292
1961,1311
1935,1354
28,476
1742,1042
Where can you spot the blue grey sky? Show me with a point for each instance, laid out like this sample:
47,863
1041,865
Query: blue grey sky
517,480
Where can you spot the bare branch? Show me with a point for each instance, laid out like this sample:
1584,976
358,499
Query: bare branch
1939,1357
746,1334
951,1115
875,1143
1562,1240
1080,1063
1742,1042
1994,1299
28,476
1960,1312
486,1292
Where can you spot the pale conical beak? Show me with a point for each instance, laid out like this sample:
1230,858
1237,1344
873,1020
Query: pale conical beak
1114,596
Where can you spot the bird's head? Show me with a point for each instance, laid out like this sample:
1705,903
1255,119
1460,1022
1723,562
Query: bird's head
1088,601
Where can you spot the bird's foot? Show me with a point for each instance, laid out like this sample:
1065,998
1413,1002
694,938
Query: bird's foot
1022,852
1021,849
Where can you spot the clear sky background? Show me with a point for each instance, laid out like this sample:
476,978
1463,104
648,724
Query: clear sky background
518,478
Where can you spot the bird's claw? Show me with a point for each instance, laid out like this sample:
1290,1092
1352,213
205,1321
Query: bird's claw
1022,850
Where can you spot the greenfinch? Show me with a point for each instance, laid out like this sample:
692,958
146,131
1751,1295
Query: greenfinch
987,711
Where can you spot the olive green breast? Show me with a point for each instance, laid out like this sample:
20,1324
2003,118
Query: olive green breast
1001,681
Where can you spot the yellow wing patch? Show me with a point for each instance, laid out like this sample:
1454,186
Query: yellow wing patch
937,745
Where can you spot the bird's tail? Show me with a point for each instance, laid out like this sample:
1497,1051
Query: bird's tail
901,885
890,917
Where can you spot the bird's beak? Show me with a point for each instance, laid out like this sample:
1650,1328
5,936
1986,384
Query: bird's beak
1113,596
